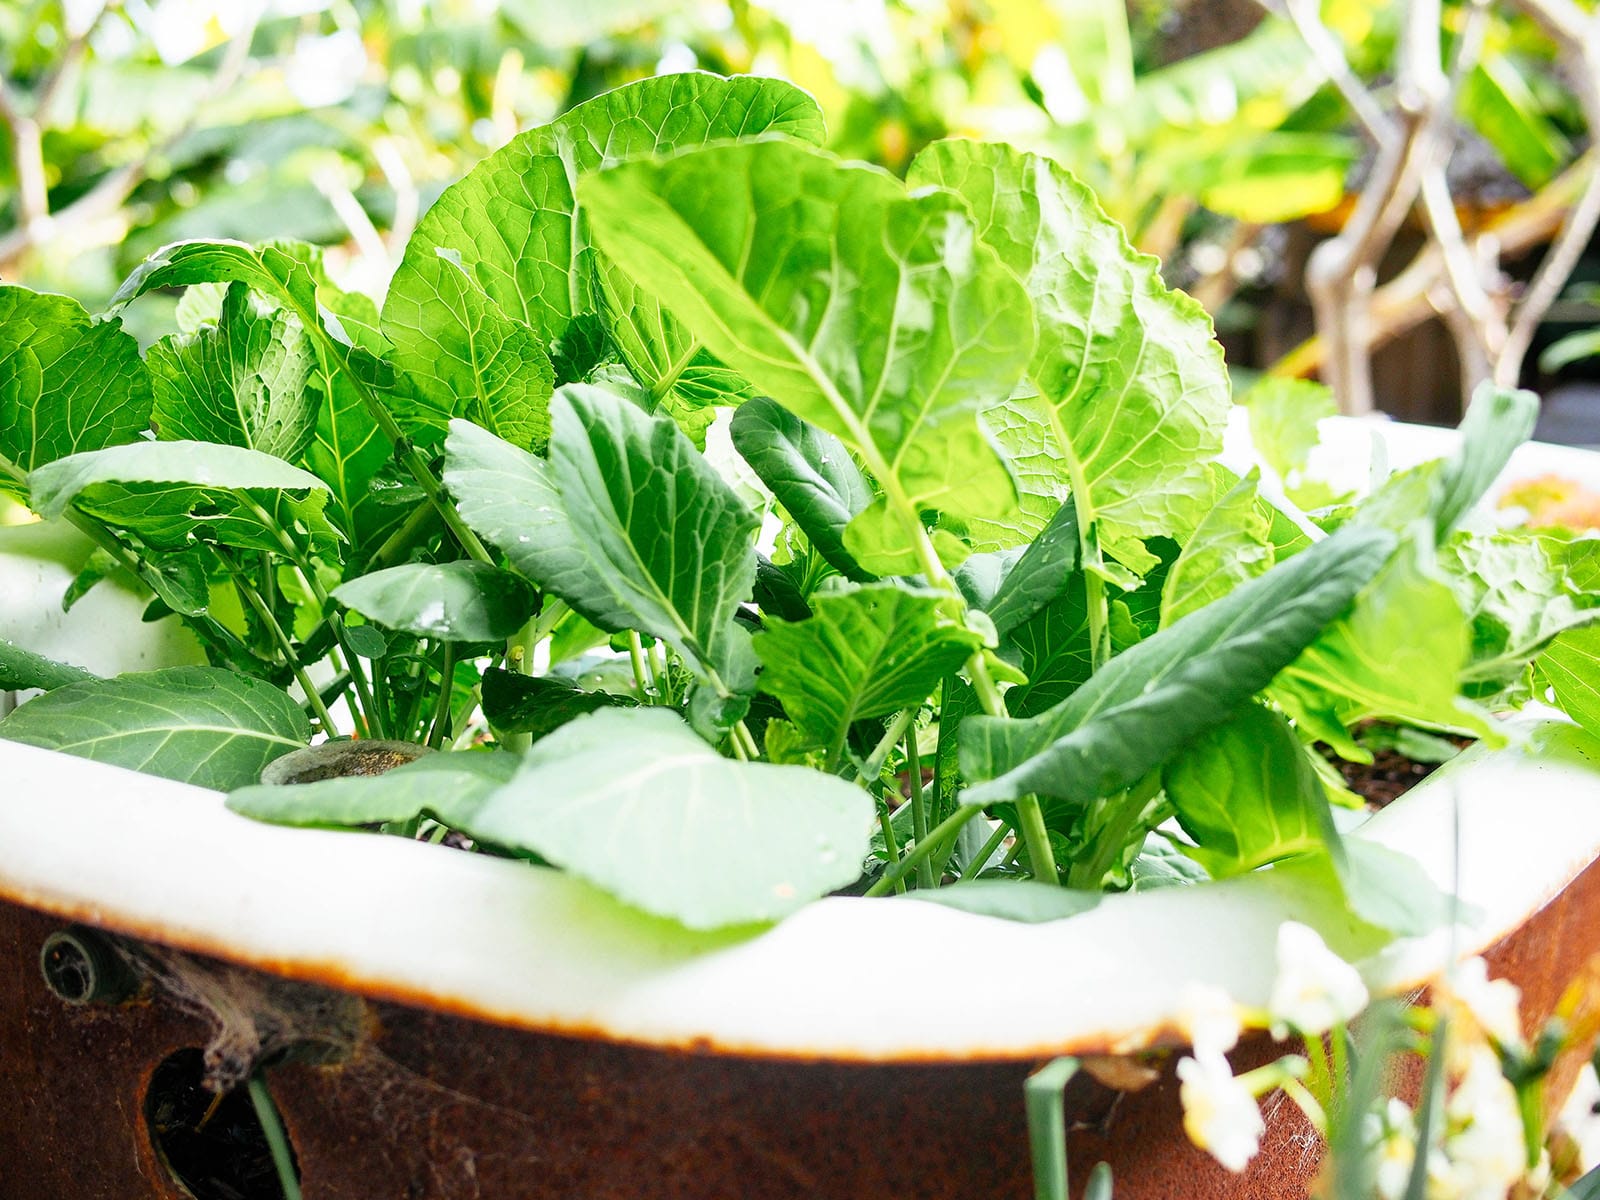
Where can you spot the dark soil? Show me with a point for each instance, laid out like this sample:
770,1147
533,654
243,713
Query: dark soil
1385,779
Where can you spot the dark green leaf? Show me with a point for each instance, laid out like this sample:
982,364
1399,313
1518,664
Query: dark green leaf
811,474
539,704
634,802
203,725
449,602
1247,794
21,669
626,522
447,787
67,384
1028,581
862,309
867,652
240,382
1146,703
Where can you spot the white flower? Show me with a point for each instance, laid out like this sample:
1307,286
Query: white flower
1315,988
1208,1017
1392,1141
1219,1113
1491,1003
1484,1150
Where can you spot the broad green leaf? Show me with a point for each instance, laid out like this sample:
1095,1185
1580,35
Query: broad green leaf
866,311
539,704
1571,668
634,802
203,725
240,382
67,383
1012,899
1052,649
1273,177
625,521
1399,654
503,259
21,669
1129,394
1247,794
1010,587
449,602
447,787
1520,589
1231,544
811,474
1146,703
1283,416
1498,102
867,652
1498,420
495,371
172,493
275,271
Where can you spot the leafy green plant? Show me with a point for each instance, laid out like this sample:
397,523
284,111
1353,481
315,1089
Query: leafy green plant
962,595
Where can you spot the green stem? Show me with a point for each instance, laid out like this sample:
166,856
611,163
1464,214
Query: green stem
987,851
1112,839
441,712
640,673
919,806
741,733
402,539
376,726
937,836
1041,859
270,622
891,845
868,770
1047,1127
277,1140
737,747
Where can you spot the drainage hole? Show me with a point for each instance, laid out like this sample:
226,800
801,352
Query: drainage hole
213,1148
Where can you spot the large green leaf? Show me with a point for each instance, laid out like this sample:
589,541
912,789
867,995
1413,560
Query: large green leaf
67,384
538,705
1498,420
1283,416
450,602
1146,703
172,493
276,271
202,725
447,787
862,653
625,521
1247,794
21,668
240,382
864,310
502,258
633,801
1052,649
1129,394
811,474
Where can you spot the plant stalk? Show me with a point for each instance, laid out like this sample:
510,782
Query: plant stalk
441,712
919,806
891,845
277,1140
1041,858
270,622
937,836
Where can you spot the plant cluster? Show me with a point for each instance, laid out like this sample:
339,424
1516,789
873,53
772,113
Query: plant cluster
958,594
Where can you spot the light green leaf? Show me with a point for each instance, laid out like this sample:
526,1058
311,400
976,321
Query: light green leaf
634,802
1012,899
240,382
202,725
1283,416
1232,543
870,313
67,384
1500,105
866,652
494,371
172,493
625,522
1498,420
1147,702
450,602
21,669
811,474
520,266
277,271
1247,794
1130,393
447,787
1399,654
1571,667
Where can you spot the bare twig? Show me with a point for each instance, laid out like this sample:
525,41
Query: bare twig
1330,57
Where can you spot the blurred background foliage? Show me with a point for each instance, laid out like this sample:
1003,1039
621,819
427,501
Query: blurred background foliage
1205,126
